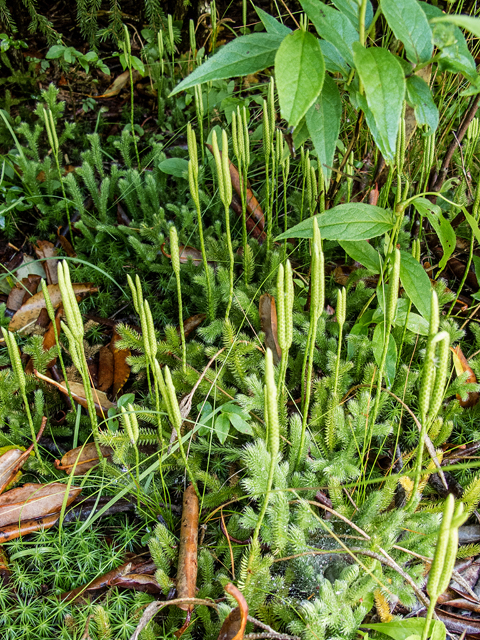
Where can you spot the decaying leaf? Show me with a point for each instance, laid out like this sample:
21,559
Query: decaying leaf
23,291
17,530
45,249
66,244
187,553
187,253
102,403
34,501
119,83
461,365
86,458
268,320
102,581
234,625
137,582
13,460
30,310
105,369
121,369
190,324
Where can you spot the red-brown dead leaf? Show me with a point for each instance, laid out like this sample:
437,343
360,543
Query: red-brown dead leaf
137,582
119,83
461,365
16,530
187,253
192,323
102,403
23,291
121,369
85,457
235,623
30,310
102,581
13,460
268,321
187,554
66,244
45,249
105,369
34,501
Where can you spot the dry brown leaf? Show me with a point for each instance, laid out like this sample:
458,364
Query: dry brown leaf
86,458
16,530
99,583
14,459
461,365
66,244
102,403
30,310
121,369
138,582
119,83
187,553
45,249
23,291
192,323
234,625
105,369
34,501
187,253
268,320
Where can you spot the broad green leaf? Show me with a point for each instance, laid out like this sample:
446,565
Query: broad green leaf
473,224
138,65
55,52
222,427
351,9
403,629
230,407
206,418
416,283
391,361
323,122
415,323
420,98
334,62
271,24
454,55
242,56
384,82
442,226
476,262
351,221
464,22
332,26
239,423
299,73
410,25
363,252
177,167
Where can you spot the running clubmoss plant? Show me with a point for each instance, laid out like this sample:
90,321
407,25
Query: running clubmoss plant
174,250
19,374
74,331
194,192
127,53
241,149
285,298
225,186
341,313
130,423
317,298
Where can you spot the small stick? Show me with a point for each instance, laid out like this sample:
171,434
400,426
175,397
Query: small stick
187,555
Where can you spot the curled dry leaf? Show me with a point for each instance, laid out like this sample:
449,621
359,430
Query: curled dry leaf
16,530
13,460
234,625
105,369
102,581
121,369
23,291
268,320
46,251
65,244
102,403
86,458
30,310
137,582
187,554
119,83
461,365
187,253
34,501
192,323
